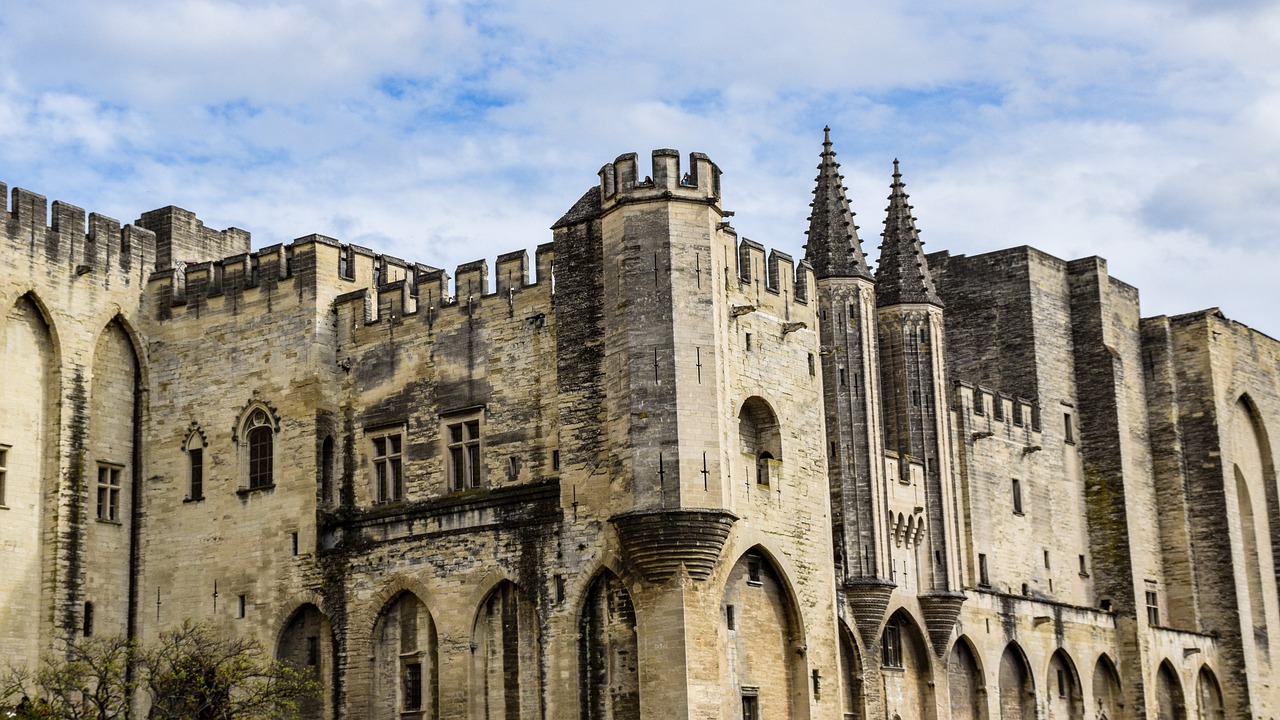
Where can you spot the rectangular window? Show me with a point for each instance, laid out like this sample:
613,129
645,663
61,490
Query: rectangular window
984,580
243,606
1062,684
555,459
4,472
812,370
388,468
1017,413
1084,570
313,650
748,342
1017,496
412,686
750,704
195,457
109,493
1046,559
464,454
891,646
88,620
294,537
753,571
1153,608
1068,431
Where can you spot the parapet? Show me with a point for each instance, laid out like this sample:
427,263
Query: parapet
66,238
620,181
181,238
772,282
995,411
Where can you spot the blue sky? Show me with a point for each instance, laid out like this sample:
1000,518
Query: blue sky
441,132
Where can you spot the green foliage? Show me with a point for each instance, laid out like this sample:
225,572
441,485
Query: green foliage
192,673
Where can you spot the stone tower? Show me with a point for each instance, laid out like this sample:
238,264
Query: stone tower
917,421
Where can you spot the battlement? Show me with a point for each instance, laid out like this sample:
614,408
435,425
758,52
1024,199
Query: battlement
83,246
181,238
773,282
984,410
620,182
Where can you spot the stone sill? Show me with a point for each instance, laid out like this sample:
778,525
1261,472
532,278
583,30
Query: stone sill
251,490
108,521
193,499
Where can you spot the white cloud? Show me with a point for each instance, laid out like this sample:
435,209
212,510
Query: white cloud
444,131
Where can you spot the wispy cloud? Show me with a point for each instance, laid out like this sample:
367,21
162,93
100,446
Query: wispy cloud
440,131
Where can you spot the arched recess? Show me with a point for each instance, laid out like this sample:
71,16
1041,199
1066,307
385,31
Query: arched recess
255,435
762,635
506,679
1209,696
1107,694
28,451
964,678
1017,686
1065,694
1170,702
853,701
111,472
306,643
1255,491
608,653
761,438
406,662
905,668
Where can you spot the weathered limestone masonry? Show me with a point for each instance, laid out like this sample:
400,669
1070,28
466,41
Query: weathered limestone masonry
652,471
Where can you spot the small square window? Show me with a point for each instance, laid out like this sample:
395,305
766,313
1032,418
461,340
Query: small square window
109,493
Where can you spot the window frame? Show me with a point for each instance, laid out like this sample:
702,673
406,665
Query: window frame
258,431
1019,507
463,437
4,475
386,459
193,448
109,491
891,646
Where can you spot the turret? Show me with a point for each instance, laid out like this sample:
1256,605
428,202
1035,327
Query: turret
846,296
917,421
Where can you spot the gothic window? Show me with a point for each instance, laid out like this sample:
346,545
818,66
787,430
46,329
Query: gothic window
109,492
195,465
388,466
257,438
465,469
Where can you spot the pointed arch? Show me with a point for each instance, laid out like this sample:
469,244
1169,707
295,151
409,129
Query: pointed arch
255,433
1063,690
29,455
1107,693
1255,485
763,645
1209,696
608,652
905,666
853,699
306,643
506,675
194,448
1170,701
405,662
965,681
1017,685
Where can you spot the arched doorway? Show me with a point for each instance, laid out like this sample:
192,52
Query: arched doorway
306,643
608,662
964,678
405,662
852,700
1017,687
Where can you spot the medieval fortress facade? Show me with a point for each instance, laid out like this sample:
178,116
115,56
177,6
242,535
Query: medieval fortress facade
653,471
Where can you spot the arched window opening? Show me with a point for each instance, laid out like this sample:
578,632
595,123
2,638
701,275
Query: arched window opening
504,653
761,439
904,660
1209,696
307,644
1065,695
765,637
258,437
194,447
851,667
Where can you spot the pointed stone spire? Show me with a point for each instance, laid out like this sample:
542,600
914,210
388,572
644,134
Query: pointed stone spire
834,249
902,276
